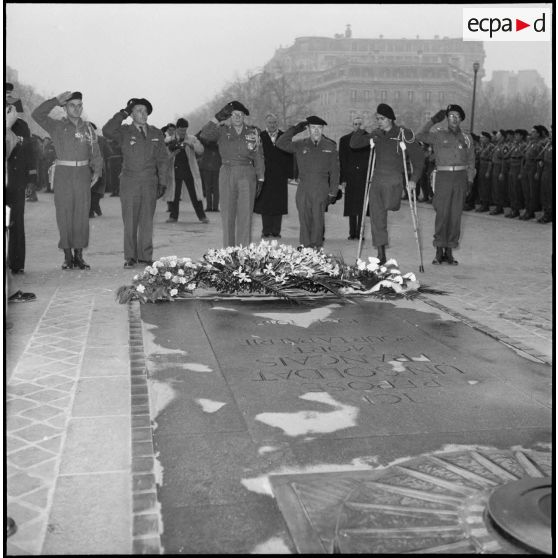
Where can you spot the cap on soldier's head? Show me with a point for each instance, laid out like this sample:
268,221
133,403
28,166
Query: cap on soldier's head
237,105
316,120
385,110
522,132
456,108
182,123
135,101
75,95
541,130
487,135
8,87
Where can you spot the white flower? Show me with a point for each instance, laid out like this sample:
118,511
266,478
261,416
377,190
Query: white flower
168,275
360,265
173,292
172,263
372,266
191,286
136,277
397,279
180,272
140,289
395,272
411,276
182,280
176,279
391,261
153,270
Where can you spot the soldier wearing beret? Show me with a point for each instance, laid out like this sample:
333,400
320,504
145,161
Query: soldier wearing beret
545,161
21,174
242,166
498,191
455,172
387,179
78,166
515,155
318,167
484,172
143,179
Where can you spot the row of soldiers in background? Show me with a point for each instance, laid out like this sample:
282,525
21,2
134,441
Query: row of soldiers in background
514,169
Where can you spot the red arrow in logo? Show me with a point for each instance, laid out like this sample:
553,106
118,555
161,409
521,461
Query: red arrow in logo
519,25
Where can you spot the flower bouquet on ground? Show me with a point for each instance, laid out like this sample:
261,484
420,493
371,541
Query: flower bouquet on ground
268,268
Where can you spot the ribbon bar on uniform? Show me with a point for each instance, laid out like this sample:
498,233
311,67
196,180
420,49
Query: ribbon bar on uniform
452,168
71,163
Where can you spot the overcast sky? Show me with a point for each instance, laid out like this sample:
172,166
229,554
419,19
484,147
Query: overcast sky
179,55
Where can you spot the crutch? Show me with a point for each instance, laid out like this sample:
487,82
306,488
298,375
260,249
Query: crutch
371,163
412,204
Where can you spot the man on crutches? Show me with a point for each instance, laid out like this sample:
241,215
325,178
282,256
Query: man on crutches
369,174
386,180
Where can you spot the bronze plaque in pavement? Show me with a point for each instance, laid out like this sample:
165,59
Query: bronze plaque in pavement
433,503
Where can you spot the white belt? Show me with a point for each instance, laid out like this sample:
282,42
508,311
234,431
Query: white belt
71,163
452,168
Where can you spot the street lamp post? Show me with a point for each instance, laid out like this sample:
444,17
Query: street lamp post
476,67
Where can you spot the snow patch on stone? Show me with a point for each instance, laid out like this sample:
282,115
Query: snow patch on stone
397,366
151,347
300,319
195,367
300,423
160,395
209,406
224,309
267,449
274,545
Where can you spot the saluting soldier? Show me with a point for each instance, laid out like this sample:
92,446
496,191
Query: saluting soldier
78,166
353,168
514,183
318,172
545,161
242,168
530,182
387,180
485,170
143,179
455,172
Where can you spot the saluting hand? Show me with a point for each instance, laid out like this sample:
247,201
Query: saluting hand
439,116
63,97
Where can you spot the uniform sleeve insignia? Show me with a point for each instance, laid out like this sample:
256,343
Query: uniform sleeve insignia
154,139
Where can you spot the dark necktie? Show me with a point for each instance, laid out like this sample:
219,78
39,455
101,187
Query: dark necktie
316,143
143,132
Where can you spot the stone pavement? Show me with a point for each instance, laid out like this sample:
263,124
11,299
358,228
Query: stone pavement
77,411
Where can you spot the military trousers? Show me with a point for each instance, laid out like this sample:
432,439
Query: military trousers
237,192
15,198
499,192
485,183
138,198
547,189
385,195
311,204
210,182
531,188
72,200
451,188
515,188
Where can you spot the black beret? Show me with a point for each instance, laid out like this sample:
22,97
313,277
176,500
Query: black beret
8,87
510,132
486,135
456,108
541,130
182,123
502,131
75,95
522,132
316,120
170,125
385,110
475,136
237,105
133,102
164,129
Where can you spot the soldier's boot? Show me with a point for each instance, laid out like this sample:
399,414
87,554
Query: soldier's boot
382,254
448,256
439,257
68,259
498,210
482,209
79,261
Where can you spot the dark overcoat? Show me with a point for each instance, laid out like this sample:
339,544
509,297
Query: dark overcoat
353,168
273,199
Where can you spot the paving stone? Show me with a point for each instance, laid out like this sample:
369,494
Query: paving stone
145,525
145,502
18,405
22,389
102,396
42,412
37,432
150,545
53,444
22,483
46,471
13,444
46,395
21,513
29,456
38,498
15,422
54,380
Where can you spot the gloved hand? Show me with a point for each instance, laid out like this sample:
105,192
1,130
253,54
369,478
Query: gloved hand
128,108
259,188
439,116
224,113
339,194
300,127
331,199
161,189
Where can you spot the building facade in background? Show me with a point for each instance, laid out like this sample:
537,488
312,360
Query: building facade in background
510,84
352,76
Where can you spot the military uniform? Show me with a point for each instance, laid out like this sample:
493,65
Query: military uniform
388,177
209,166
144,169
455,168
529,182
353,168
242,164
78,154
485,177
499,184
515,190
22,170
545,161
318,173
